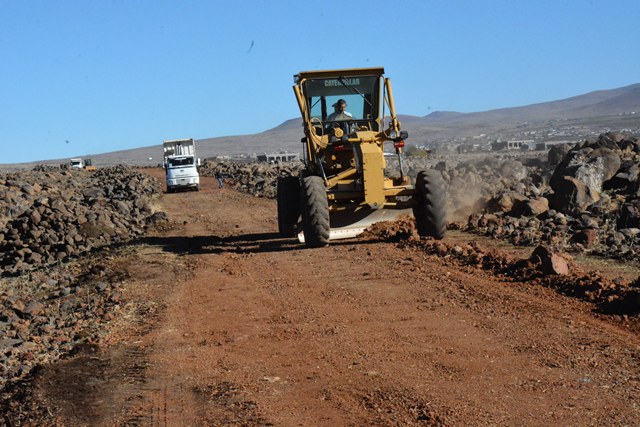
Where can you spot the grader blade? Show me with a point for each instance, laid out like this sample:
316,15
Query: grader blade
349,224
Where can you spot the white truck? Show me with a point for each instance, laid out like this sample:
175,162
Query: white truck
180,164
77,163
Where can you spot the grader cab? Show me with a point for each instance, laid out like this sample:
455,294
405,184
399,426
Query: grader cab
348,116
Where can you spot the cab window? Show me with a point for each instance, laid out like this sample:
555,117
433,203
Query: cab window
180,161
360,93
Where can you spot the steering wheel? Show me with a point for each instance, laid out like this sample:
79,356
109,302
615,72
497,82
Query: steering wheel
347,126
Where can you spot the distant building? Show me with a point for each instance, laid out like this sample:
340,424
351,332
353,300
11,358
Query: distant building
278,157
523,144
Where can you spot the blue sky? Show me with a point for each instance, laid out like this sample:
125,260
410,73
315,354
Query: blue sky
87,77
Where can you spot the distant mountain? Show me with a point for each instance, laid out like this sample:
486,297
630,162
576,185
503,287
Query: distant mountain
599,103
441,116
288,125
596,111
599,110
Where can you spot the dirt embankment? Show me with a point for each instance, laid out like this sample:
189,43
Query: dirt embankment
218,321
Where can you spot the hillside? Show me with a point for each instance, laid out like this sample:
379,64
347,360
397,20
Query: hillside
574,118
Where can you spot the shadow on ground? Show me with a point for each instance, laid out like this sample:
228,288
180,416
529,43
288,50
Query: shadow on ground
244,243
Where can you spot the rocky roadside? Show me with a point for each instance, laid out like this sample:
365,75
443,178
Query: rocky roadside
50,214
49,314
257,179
58,228
588,203
581,199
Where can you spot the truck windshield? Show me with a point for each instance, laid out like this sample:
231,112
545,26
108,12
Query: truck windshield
180,161
360,94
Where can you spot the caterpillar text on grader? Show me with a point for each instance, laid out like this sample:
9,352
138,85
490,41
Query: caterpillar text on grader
343,188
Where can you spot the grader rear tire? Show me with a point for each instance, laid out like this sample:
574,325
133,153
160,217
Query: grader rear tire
315,212
430,204
288,197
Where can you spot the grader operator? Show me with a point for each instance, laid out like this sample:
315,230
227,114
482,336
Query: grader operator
344,188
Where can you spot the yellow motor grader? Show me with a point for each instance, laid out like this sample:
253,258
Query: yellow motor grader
343,188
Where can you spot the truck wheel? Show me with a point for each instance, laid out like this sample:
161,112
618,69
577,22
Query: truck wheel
315,212
288,197
430,209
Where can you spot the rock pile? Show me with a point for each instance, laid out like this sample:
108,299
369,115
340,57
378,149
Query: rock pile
589,202
257,178
582,198
51,214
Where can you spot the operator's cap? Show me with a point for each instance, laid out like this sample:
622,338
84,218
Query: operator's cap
339,102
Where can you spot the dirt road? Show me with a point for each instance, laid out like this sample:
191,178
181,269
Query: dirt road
225,323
